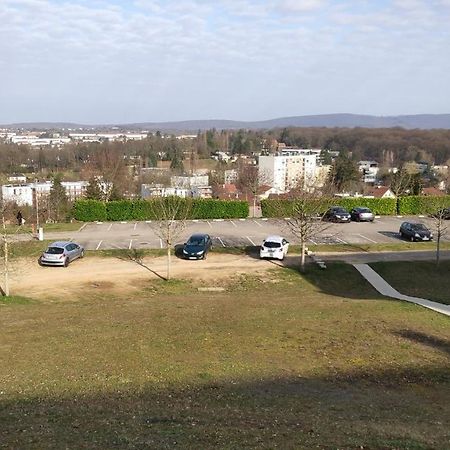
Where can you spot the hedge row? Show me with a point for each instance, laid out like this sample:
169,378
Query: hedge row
417,204
94,210
379,206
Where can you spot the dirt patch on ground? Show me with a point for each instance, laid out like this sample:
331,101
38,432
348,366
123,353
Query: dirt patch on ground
115,274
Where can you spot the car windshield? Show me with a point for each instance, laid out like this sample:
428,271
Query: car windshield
364,210
196,241
270,244
419,227
340,210
55,250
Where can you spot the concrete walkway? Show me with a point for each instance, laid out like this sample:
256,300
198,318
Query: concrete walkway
387,290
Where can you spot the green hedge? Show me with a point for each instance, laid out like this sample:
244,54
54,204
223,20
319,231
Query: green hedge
419,204
94,210
379,206
89,210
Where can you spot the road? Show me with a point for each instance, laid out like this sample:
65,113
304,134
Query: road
231,233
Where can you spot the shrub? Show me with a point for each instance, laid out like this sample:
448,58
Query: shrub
89,210
92,210
283,208
419,204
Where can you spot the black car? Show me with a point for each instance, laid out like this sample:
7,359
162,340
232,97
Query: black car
362,214
415,232
197,247
337,214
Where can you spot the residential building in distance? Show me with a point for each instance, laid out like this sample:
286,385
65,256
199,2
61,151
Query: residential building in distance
288,169
17,178
158,190
26,193
230,176
380,192
185,181
369,170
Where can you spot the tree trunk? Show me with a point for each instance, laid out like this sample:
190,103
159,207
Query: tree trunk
5,248
438,248
302,257
168,261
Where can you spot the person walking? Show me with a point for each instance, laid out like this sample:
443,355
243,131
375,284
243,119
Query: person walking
19,218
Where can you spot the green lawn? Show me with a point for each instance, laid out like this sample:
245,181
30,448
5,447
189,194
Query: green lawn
418,278
280,360
48,227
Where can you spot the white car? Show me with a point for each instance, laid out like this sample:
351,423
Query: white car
275,247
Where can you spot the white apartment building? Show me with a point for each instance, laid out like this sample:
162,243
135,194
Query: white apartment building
288,169
189,181
231,176
99,137
369,170
158,190
25,194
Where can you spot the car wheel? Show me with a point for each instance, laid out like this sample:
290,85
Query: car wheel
66,262
204,256
40,262
411,238
82,254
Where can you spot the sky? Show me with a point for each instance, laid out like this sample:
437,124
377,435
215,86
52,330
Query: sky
117,61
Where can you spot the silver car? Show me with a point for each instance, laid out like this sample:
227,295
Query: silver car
61,253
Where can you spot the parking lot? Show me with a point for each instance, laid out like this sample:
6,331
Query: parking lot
232,233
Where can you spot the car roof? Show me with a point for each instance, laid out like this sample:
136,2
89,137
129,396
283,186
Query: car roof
198,235
273,238
60,243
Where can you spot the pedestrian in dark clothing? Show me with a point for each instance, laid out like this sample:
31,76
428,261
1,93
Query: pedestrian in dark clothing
19,218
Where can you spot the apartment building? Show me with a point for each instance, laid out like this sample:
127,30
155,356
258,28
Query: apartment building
26,193
369,170
288,169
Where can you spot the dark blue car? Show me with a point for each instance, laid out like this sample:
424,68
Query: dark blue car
197,247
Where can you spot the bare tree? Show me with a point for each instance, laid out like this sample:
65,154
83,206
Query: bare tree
170,214
439,212
250,180
304,210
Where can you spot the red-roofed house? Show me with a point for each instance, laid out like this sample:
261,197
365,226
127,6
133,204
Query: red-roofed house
432,192
381,192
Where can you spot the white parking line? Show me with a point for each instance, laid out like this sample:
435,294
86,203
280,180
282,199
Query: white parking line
160,243
251,242
131,243
220,240
109,228
99,223
98,246
82,227
233,223
148,221
209,223
242,220
257,223
368,239
195,220
314,242
135,225
264,218
217,220
341,240
123,221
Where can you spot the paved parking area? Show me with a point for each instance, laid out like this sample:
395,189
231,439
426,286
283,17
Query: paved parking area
231,233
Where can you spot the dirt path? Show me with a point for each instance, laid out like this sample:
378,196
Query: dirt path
56,282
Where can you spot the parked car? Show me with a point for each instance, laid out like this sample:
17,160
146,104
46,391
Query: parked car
197,247
274,247
415,232
362,214
337,214
61,253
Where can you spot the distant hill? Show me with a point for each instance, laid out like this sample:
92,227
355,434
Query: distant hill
420,121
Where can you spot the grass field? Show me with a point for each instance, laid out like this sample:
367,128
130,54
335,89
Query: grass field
418,278
48,227
274,361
